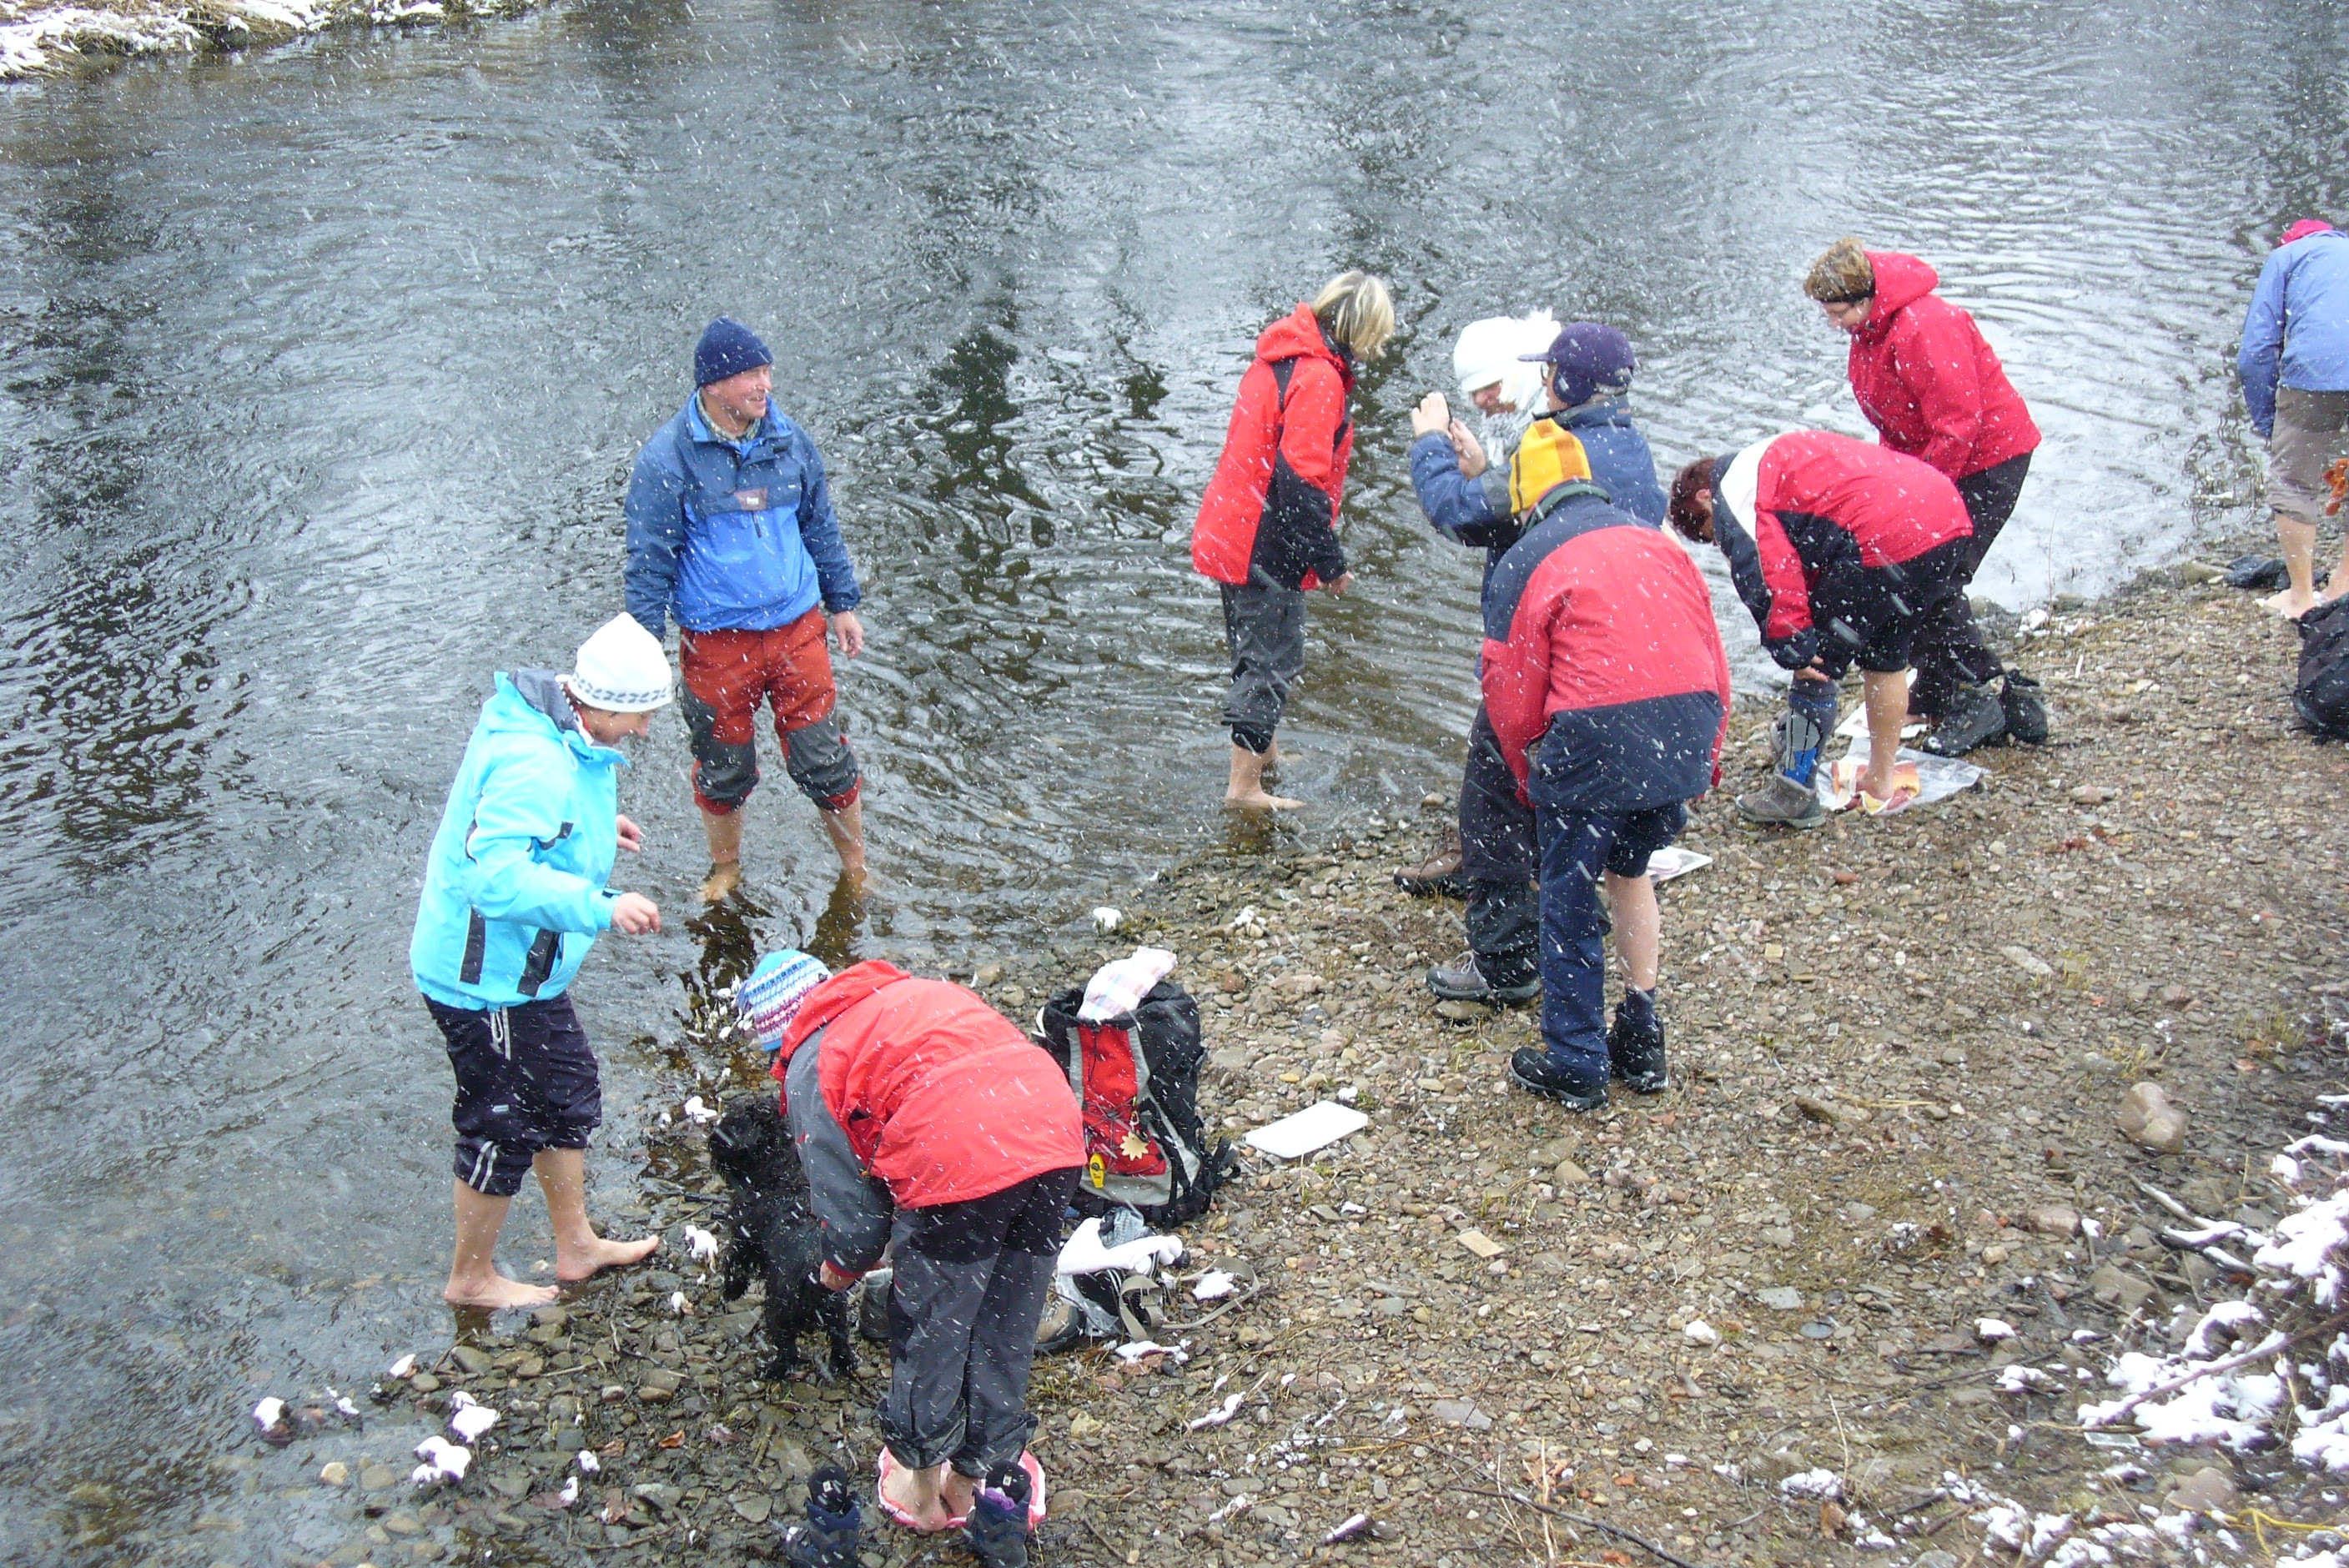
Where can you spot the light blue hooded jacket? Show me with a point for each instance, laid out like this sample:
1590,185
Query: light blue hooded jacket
514,894
2296,334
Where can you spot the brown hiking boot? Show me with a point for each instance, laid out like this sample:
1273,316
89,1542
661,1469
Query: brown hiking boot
1439,873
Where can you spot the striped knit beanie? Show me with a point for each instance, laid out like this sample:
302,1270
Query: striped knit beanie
770,997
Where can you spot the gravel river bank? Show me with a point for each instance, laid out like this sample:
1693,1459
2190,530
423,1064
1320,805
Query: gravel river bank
1739,1320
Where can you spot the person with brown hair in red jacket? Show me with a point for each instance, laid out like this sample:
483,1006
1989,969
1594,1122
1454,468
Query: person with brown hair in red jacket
1934,389
928,1122
1268,526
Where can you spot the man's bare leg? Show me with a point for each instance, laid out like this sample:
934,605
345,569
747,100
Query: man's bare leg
579,1252
1247,788
919,1493
846,827
2298,542
1639,922
724,830
1887,707
473,1278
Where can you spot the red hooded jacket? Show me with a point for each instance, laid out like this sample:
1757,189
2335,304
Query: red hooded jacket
1273,502
1928,382
940,1096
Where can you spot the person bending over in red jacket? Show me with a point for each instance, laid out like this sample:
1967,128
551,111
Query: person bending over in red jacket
1934,389
1840,550
1266,530
928,1122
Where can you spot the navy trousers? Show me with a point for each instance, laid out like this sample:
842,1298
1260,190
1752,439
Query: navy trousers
1576,848
1498,861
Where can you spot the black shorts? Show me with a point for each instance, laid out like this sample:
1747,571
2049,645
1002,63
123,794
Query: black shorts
526,1081
1867,617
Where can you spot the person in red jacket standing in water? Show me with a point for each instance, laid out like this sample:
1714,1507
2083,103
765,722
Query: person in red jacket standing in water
1268,526
1935,391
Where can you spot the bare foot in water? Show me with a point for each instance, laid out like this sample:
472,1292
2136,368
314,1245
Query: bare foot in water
2288,604
1258,800
496,1294
573,1265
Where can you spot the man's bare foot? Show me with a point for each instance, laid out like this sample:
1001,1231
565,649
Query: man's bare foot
2289,606
496,1294
916,1495
1258,800
959,1492
724,878
573,1265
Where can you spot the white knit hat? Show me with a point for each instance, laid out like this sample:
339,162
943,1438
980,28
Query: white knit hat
621,669
1488,352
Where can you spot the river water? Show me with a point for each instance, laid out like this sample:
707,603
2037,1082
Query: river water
324,368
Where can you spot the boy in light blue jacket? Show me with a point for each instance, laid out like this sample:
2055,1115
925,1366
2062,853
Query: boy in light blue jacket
2294,364
513,898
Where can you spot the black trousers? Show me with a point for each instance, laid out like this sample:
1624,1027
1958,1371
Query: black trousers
1948,648
1497,860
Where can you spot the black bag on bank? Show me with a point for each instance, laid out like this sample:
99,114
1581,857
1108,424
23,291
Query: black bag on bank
2321,696
1136,1079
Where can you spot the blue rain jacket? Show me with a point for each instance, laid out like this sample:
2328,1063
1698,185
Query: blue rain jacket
2297,332
1475,512
513,893
732,535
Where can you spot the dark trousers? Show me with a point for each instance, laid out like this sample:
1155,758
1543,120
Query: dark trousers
1576,847
967,1292
1948,648
1497,860
1264,628
526,1081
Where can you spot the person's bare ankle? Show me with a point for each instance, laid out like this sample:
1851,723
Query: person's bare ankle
957,1491
1260,800
917,1494
495,1293
586,1260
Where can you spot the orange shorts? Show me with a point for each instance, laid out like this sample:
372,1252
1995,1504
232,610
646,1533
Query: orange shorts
727,674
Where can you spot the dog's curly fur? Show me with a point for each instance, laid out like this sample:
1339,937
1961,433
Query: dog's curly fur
771,1234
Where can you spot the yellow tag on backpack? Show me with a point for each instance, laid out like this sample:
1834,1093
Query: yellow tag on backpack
1097,1172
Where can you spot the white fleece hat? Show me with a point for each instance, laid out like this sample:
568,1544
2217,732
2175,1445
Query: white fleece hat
1489,350
621,668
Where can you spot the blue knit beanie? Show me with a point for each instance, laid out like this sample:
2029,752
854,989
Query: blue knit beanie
727,348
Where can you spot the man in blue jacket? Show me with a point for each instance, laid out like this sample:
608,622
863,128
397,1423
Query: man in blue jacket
1586,434
730,528
513,898
2294,364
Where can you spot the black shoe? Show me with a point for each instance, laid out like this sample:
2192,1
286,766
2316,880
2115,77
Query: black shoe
2259,573
997,1530
829,1537
1531,1069
1462,980
1636,1055
2026,714
1973,717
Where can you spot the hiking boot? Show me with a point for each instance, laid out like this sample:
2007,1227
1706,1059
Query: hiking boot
1439,874
1783,803
1635,1053
1972,717
997,1530
1463,981
2026,714
829,1537
1531,1070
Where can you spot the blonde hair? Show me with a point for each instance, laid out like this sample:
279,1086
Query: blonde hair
1842,275
1357,311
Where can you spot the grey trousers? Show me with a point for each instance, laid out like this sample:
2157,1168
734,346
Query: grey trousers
967,1292
1264,627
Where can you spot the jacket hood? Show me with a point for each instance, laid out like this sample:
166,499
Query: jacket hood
1299,333
830,1000
532,702
1901,282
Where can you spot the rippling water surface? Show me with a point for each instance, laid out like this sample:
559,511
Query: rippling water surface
323,370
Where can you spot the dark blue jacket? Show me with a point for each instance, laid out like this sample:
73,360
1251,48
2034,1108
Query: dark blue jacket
1475,512
732,535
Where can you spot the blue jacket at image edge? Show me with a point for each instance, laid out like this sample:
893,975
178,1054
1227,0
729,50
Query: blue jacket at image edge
1475,512
514,893
2297,332
732,534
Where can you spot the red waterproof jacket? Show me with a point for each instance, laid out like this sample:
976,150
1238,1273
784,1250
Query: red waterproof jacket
1928,382
1273,502
1794,509
940,1097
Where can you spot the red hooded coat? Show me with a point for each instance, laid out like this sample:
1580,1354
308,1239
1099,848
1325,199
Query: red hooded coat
941,1097
1273,502
1928,382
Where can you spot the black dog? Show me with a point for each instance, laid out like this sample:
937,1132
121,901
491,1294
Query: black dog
772,1236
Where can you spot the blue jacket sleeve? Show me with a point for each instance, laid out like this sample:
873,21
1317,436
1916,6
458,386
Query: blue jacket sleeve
656,514
835,575
521,806
1456,504
2261,354
851,1207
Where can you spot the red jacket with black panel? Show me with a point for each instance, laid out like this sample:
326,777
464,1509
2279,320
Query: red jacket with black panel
1928,381
1273,502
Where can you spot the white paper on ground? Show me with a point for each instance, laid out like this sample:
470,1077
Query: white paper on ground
1318,1125
1938,778
1672,860
1082,1252
1855,723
